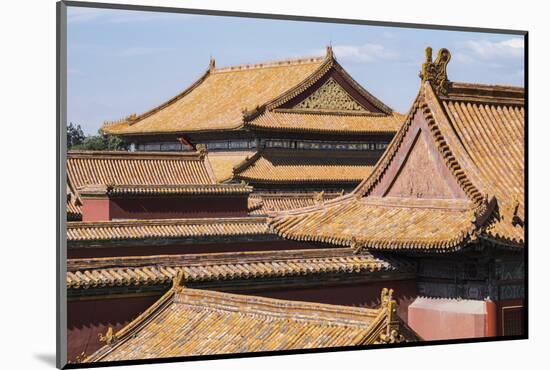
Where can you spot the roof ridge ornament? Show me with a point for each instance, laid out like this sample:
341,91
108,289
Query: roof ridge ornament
212,65
391,333
179,280
109,336
330,52
202,150
436,72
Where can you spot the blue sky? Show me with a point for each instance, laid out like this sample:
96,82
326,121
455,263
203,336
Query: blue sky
122,62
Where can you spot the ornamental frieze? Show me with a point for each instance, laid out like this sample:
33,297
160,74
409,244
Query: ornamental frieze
330,96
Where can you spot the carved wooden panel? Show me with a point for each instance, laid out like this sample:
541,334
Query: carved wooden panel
419,176
330,96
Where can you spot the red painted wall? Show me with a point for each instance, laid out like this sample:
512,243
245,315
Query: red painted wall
178,207
86,319
441,319
104,209
95,209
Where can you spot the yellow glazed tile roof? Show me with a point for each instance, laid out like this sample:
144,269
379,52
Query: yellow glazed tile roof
263,203
295,166
217,100
145,173
479,131
381,224
74,205
234,97
325,122
191,322
137,168
169,228
144,190
223,162
492,133
157,270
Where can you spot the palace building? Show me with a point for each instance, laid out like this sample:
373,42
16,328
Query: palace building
144,217
448,193
172,254
285,127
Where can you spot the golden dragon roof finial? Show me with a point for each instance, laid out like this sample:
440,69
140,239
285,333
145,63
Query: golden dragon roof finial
436,71
391,334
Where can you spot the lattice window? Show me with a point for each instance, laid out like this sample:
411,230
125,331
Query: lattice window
330,96
512,320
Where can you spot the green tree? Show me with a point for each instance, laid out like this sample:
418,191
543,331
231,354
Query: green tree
94,142
75,135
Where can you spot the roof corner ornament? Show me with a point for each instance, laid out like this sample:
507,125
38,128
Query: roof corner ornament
386,296
330,52
81,357
319,197
202,150
212,65
517,216
391,334
131,118
436,72
355,246
179,280
109,336
250,114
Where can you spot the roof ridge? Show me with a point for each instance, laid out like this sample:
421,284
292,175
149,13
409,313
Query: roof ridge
511,88
217,258
133,118
269,64
286,306
327,112
247,162
189,221
123,154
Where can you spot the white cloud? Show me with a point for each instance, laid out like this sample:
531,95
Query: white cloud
485,50
463,58
366,53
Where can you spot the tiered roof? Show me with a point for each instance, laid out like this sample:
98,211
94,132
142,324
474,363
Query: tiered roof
217,267
253,95
181,324
280,166
454,173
